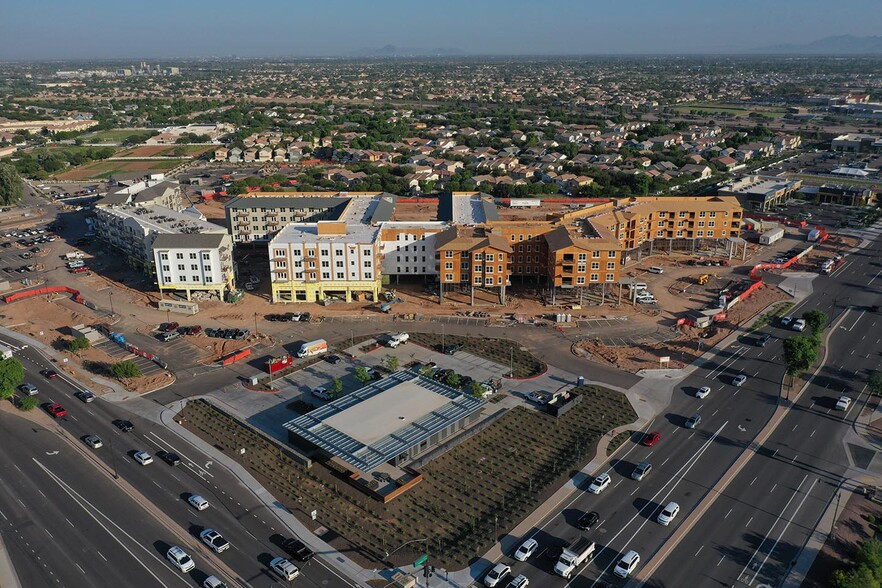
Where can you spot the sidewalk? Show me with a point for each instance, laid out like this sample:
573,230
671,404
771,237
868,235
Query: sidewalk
8,577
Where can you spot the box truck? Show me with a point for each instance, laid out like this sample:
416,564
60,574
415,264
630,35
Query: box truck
573,556
311,348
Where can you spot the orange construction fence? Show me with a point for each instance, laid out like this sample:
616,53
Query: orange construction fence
8,298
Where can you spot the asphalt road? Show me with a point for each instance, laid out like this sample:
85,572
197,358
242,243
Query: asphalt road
253,531
773,504
66,526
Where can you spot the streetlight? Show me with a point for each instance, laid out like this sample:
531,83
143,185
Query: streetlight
111,302
351,337
511,361
423,560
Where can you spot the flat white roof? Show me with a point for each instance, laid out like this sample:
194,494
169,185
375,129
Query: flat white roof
376,417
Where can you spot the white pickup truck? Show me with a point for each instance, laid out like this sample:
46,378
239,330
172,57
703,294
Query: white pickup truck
397,339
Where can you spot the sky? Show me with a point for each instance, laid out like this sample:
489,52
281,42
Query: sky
100,29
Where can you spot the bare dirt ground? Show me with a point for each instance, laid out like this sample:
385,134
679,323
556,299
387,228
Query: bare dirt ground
683,348
835,245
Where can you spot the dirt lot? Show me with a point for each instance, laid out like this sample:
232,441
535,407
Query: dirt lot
104,169
165,151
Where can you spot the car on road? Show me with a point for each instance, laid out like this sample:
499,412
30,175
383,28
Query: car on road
693,421
56,410
798,325
93,441
28,389
49,374
843,403
168,457
668,513
588,520
213,582
284,568
650,439
526,550
168,327
179,558
214,540
641,470
703,392
764,339
298,549
197,502
143,458
627,564
785,321
322,393
520,581
599,484
123,425
739,380
497,575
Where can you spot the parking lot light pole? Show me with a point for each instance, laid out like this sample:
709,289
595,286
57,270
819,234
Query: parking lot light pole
111,302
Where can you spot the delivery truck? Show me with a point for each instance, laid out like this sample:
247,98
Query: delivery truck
311,348
573,556
397,339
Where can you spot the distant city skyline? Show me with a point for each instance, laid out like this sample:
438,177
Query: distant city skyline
101,29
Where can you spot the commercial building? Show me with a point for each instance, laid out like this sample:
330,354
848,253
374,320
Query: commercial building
856,143
391,421
761,193
840,194
194,262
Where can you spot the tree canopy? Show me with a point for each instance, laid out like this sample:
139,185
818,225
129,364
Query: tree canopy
800,353
11,375
866,571
11,186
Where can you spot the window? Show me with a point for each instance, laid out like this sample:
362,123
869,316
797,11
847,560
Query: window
662,214
448,254
326,275
582,268
448,265
681,223
583,256
163,256
206,257
489,257
338,263
595,265
298,275
180,267
366,253
338,252
702,214
326,263
512,238
298,263
711,223
281,263
192,256
465,265
282,275
701,233
661,223
594,277
611,255
610,277
477,279
595,254
529,248
183,278
713,214
367,275
710,233
179,255
500,269
679,233
520,237
165,268
340,275
700,223
194,267
167,279
611,265
580,280
448,277
659,233
310,253
478,268
681,215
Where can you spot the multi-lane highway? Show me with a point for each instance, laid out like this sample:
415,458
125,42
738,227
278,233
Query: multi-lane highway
753,532
254,532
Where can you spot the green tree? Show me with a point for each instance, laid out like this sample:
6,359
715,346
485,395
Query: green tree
362,374
426,371
874,383
393,363
28,403
800,353
477,389
453,380
337,386
866,571
78,344
125,369
11,375
816,321
11,186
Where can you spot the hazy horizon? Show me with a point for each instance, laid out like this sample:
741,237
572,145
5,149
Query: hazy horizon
99,29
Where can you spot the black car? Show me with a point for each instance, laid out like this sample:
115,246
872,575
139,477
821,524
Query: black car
211,332
451,349
123,425
588,520
168,457
276,318
554,551
298,549
764,340
466,381
334,359
304,318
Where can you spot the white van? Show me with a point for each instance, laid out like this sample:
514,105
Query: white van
639,286
75,264
656,269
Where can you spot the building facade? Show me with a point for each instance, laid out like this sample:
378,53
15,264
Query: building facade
188,263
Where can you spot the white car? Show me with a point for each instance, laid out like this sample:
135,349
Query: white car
843,403
93,441
143,458
495,576
198,502
739,380
179,558
703,392
668,514
627,564
599,484
526,549
538,397
798,325
214,540
284,568
213,582
520,581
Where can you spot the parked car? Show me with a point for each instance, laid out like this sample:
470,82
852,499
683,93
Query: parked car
166,337
798,325
333,359
785,321
519,581
168,327
764,339
539,397
843,403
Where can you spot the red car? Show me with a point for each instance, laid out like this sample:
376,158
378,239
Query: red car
168,327
79,270
56,410
49,374
651,439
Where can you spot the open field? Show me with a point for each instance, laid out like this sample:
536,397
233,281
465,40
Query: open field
165,151
115,135
475,491
105,169
737,111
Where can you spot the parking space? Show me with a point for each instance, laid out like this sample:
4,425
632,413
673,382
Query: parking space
147,367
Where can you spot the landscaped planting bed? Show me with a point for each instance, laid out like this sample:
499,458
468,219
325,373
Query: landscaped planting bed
470,496
500,351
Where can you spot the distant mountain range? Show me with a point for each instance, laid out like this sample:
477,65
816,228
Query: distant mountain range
393,51
838,45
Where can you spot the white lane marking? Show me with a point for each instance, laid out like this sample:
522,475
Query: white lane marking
874,277
748,521
86,506
4,516
181,453
783,510
773,488
678,477
794,427
721,561
754,480
696,553
81,569
813,433
727,514
781,534
101,554
863,312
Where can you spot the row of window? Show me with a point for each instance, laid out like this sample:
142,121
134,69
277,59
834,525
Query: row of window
683,223
164,256
181,268
310,252
325,276
194,279
700,233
